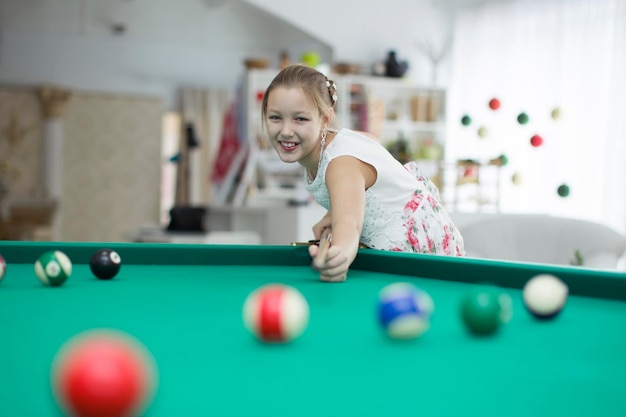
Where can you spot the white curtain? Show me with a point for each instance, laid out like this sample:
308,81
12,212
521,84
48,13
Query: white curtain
536,56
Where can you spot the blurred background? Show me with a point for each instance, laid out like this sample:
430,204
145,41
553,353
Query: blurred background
126,120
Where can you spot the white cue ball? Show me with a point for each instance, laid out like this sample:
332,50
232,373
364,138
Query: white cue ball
545,296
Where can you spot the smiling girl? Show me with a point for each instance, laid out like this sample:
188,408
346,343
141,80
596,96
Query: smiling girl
371,198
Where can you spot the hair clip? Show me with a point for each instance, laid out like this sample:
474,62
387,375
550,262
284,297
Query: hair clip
334,98
327,83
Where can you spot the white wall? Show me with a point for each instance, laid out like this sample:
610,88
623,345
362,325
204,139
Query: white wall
364,32
198,42
166,44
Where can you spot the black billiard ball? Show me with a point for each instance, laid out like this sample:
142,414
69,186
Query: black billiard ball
105,263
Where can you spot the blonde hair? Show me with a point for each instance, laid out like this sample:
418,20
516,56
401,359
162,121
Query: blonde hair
314,84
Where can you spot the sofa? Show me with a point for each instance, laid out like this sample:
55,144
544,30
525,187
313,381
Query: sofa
539,238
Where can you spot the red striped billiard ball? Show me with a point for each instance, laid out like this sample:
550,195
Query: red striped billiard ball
276,313
105,263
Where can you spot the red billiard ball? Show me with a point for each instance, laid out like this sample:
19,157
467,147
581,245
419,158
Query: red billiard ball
103,373
105,263
3,267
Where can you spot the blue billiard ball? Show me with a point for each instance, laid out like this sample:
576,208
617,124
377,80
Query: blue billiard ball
404,310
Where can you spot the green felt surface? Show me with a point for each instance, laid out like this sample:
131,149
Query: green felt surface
188,314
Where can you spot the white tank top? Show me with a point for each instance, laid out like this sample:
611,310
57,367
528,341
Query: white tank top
403,211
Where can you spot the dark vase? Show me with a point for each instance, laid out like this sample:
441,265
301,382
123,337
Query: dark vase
394,68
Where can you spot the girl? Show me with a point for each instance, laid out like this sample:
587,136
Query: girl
371,198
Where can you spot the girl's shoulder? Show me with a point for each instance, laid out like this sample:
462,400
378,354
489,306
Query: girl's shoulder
345,132
353,137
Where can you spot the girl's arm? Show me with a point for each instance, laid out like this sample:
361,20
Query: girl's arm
347,178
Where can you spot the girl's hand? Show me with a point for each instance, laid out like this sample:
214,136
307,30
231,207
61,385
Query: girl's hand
319,227
334,266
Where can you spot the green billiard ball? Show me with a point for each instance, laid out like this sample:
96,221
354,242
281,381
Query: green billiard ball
53,268
482,311
466,120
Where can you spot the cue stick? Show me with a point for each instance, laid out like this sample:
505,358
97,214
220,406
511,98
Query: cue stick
317,242
325,240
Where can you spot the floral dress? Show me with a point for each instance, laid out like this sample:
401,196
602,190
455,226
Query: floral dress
403,209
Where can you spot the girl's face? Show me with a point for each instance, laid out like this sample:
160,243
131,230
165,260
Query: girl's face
294,126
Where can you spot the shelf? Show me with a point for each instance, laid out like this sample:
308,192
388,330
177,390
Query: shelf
411,126
386,83
478,188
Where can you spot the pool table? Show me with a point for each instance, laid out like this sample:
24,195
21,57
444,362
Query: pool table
184,303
